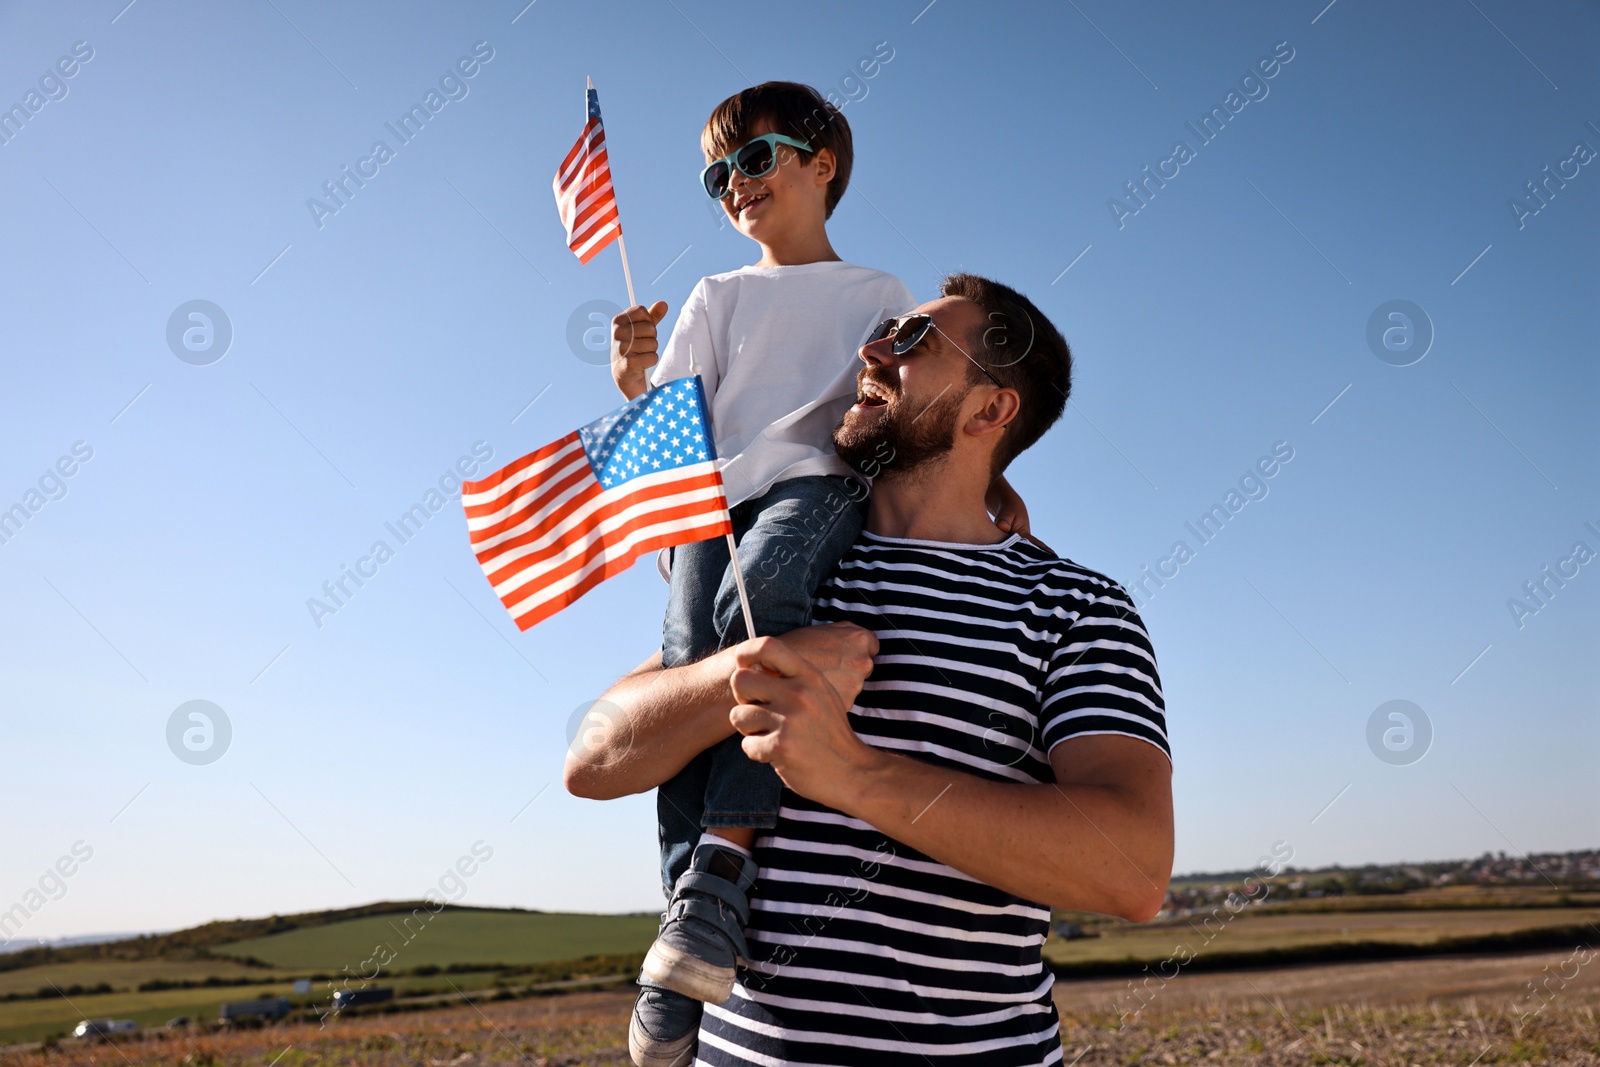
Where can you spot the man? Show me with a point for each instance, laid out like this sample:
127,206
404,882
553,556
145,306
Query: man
974,733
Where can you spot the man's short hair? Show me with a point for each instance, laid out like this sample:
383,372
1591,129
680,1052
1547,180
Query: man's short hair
1024,350
795,110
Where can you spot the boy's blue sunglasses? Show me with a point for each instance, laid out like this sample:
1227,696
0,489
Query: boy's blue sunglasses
756,159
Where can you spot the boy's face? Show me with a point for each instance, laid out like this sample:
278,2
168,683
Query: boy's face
784,199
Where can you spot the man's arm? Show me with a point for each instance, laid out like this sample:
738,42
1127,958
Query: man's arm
654,720
649,725
1099,839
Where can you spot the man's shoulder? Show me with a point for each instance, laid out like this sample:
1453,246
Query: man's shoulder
1061,571
1042,578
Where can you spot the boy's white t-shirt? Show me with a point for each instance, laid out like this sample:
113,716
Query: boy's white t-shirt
777,350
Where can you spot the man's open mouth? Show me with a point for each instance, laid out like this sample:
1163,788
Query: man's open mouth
741,206
869,394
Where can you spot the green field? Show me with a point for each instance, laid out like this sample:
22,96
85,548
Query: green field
450,937
455,939
481,950
27,1020
127,974
1256,930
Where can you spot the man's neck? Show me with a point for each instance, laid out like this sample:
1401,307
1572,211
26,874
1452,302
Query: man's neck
932,504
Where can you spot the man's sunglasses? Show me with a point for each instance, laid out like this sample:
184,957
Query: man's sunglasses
907,331
755,160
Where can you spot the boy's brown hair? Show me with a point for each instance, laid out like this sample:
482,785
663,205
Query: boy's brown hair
792,109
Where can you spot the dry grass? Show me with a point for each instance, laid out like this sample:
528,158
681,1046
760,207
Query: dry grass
1267,1035
1456,1011
559,1031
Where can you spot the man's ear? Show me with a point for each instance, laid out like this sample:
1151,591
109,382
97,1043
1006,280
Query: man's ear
999,411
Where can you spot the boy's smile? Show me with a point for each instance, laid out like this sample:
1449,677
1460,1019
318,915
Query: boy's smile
764,208
747,201
797,176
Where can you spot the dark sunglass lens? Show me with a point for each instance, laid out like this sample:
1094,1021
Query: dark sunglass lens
881,332
755,158
909,333
717,179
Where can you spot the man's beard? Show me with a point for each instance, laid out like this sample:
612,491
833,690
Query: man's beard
898,441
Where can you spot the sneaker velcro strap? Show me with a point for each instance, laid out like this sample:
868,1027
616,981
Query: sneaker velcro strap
693,881
715,915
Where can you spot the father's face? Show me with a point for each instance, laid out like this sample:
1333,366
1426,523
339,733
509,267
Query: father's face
908,407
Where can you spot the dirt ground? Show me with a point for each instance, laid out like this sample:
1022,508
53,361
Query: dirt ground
1461,1011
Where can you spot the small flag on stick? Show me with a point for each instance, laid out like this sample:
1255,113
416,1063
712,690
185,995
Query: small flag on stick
550,526
584,193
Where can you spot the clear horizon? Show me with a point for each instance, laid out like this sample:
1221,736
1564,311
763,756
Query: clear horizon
1339,348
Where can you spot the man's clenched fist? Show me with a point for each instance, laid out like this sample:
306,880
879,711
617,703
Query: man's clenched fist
792,716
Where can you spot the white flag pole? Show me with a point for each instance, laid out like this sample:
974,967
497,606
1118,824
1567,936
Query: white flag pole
738,580
622,245
627,275
733,549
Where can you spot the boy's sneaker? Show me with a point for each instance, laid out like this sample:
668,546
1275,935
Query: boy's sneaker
664,1028
701,943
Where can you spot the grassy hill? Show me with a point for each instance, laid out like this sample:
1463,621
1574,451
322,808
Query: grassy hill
455,937
491,953
197,941
482,951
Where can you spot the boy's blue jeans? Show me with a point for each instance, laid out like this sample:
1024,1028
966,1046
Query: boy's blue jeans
789,539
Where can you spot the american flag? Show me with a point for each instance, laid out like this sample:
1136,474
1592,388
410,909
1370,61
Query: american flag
584,196
559,521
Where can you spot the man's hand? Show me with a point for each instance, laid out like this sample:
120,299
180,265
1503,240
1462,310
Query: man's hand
842,651
634,347
791,717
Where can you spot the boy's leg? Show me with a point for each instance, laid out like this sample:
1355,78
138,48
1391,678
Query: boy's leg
664,1023
796,534
688,633
798,530
743,836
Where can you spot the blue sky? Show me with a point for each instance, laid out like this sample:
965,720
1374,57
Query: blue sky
1220,316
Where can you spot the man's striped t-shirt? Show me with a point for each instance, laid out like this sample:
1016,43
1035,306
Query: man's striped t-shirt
865,951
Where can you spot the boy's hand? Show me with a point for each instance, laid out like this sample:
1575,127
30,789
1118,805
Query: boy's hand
634,347
1010,513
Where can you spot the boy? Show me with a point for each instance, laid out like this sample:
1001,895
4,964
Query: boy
775,344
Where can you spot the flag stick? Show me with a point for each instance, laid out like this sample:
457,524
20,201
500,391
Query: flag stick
627,275
738,580
733,549
622,246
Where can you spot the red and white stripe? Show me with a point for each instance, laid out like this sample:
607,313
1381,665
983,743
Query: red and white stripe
545,531
584,195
